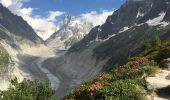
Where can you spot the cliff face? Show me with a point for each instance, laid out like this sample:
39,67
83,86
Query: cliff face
14,29
72,29
126,28
16,37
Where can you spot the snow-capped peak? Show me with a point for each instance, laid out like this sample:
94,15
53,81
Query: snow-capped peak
71,30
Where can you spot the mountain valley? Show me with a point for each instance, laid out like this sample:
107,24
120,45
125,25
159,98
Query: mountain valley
80,51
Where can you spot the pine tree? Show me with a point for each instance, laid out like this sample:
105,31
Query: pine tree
146,45
157,42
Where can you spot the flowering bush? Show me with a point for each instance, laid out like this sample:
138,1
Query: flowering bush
122,90
137,62
100,75
95,86
125,82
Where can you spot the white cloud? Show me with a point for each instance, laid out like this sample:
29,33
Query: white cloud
97,18
44,26
13,5
53,14
27,11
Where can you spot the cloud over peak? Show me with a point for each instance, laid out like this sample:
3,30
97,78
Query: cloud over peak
44,26
96,18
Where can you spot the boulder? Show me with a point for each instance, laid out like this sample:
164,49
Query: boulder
167,63
159,82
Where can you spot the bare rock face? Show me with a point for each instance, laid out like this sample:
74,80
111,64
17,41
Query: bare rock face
167,63
160,80
164,92
71,30
13,29
160,83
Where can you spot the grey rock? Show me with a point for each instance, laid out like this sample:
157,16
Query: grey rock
127,42
72,29
14,29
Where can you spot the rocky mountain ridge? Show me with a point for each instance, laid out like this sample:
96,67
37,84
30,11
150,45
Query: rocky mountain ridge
123,32
71,30
14,30
17,38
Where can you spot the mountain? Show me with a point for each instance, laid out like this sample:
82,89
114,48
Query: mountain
120,37
14,30
17,41
71,30
124,31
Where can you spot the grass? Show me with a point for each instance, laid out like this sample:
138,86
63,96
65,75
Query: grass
4,60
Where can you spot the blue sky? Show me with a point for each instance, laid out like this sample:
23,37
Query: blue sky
45,15
72,7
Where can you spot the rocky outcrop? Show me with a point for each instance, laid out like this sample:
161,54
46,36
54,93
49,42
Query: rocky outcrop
14,30
71,30
159,84
166,63
160,80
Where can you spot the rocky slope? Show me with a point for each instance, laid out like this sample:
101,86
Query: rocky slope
14,30
71,30
124,31
17,38
8,69
144,77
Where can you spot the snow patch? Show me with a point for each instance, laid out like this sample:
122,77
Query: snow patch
72,29
139,24
124,29
97,38
158,20
112,23
164,24
110,36
99,29
74,23
139,14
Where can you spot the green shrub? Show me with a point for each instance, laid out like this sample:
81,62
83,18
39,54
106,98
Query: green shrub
4,60
131,70
121,90
125,82
149,69
4,56
146,45
115,90
28,90
157,42
162,54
